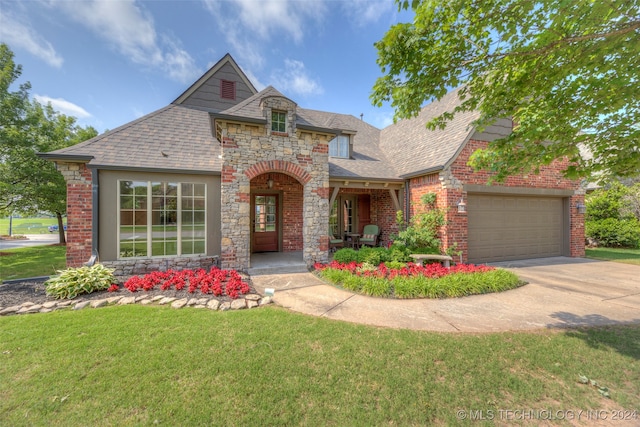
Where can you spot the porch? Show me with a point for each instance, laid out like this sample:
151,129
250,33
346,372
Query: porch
277,263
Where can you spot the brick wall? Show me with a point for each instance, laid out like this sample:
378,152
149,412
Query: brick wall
79,212
448,185
292,205
383,213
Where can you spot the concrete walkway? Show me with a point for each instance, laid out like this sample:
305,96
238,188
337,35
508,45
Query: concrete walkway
562,292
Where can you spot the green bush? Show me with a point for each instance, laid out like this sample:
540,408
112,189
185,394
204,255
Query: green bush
614,232
345,255
374,256
72,282
395,265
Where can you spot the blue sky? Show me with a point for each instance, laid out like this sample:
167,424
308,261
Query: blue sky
110,62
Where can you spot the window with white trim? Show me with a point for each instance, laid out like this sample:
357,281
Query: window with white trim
339,146
279,121
161,219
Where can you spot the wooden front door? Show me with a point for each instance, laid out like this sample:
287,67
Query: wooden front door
265,223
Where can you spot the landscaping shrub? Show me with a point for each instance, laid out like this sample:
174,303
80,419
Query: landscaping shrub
374,256
395,265
345,255
72,282
416,281
376,286
614,232
611,216
420,235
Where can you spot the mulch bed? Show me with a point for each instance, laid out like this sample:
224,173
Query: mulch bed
16,293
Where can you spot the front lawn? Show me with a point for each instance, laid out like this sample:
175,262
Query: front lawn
411,280
137,365
33,261
627,256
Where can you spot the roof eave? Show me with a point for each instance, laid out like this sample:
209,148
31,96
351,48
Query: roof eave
422,172
72,158
233,118
318,129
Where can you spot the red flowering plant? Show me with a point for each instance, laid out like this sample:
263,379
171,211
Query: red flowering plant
415,280
215,281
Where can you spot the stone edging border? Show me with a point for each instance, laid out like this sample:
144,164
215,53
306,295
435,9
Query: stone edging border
249,301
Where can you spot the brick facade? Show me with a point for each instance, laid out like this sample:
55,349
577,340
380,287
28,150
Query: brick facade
448,186
250,153
79,212
383,212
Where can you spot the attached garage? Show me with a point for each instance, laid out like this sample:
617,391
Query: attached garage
507,227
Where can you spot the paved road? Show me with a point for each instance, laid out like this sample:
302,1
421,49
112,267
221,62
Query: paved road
32,240
562,292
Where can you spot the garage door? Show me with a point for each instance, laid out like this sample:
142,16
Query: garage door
503,228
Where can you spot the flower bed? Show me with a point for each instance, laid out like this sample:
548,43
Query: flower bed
215,281
417,281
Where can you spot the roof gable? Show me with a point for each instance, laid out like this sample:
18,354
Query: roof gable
213,92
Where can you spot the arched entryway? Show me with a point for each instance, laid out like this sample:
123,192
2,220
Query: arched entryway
276,221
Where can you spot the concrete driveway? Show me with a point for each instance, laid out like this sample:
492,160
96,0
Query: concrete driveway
562,292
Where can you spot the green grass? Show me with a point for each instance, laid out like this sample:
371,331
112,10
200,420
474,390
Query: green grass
135,365
32,261
27,225
627,256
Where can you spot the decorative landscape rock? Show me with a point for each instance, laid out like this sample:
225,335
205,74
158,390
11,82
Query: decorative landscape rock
98,303
238,304
179,303
247,302
81,305
127,300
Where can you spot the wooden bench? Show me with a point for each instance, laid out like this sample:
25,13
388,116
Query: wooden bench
444,259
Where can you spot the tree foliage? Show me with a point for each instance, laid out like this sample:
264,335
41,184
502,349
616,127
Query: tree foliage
613,217
29,184
566,72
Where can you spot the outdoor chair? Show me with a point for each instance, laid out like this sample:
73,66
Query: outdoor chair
370,235
335,243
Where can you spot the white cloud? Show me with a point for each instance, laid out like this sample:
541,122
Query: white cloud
63,106
130,30
249,28
294,78
364,12
21,36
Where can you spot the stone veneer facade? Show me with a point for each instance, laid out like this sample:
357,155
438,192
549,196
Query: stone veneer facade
448,184
252,150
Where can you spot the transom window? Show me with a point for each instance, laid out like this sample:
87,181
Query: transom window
339,146
161,219
278,121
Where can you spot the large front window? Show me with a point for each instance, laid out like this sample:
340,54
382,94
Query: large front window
339,146
161,219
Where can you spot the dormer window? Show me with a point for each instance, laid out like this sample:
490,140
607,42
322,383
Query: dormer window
278,121
339,146
228,90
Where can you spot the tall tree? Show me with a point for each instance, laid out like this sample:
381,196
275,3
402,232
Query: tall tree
30,184
567,72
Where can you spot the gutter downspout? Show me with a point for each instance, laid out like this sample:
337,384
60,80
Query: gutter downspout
407,202
94,219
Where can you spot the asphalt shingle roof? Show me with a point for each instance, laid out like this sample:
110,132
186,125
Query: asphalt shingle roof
416,148
180,138
368,161
174,137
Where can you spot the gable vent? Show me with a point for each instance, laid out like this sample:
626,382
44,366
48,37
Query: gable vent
227,90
